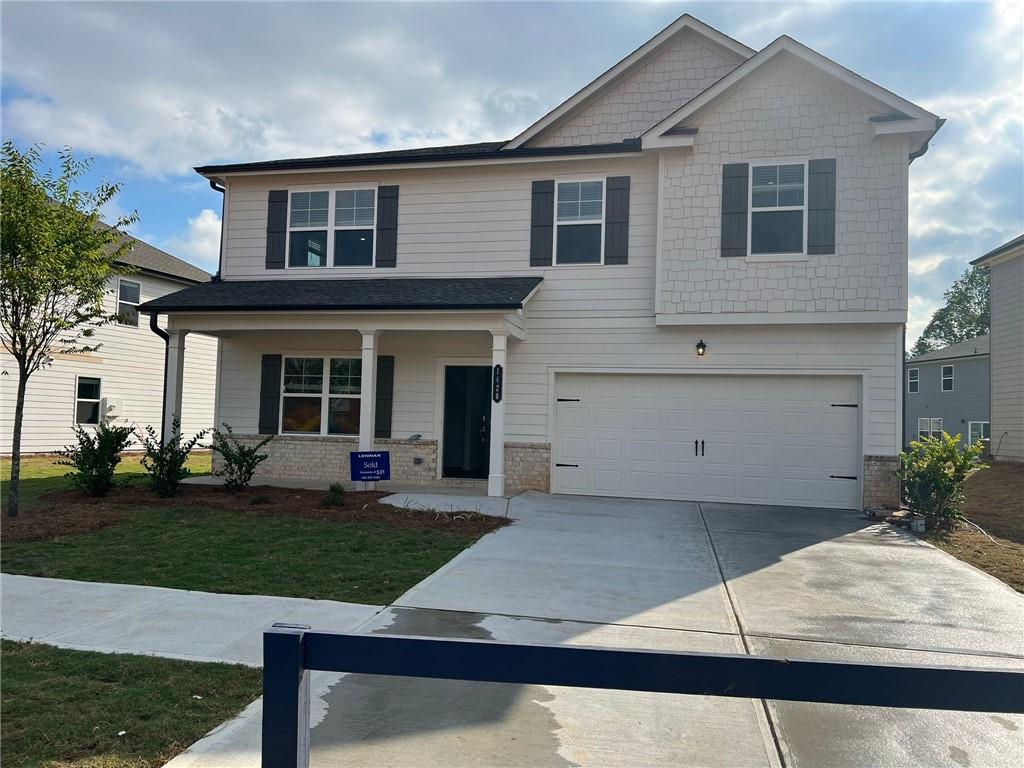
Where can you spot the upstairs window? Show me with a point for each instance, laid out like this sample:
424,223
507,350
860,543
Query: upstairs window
947,378
778,208
129,296
87,400
579,219
332,227
913,380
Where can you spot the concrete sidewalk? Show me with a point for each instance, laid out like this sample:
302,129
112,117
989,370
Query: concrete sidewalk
153,621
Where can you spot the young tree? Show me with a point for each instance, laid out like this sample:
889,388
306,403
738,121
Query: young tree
56,258
964,316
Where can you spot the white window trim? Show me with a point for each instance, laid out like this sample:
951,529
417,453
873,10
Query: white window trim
952,378
331,189
924,425
98,401
324,395
751,164
981,431
118,302
604,205
916,381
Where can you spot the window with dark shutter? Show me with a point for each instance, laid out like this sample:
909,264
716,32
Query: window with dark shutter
385,394
277,228
734,209
821,206
387,226
270,394
542,212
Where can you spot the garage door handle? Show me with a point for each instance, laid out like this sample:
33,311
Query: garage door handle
566,465
843,477
701,447
694,447
844,405
568,399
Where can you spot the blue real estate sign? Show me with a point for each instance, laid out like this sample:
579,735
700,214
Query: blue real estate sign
370,466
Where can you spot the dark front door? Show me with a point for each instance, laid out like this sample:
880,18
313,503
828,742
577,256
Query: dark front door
467,420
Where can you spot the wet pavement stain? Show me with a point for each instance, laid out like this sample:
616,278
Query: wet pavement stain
1007,724
960,757
400,721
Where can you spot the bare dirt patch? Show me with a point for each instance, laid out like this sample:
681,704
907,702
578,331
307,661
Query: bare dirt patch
995,501
66,511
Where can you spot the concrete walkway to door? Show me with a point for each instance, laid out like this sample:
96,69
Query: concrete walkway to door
673,575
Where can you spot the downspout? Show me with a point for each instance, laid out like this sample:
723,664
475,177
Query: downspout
218,187
154,317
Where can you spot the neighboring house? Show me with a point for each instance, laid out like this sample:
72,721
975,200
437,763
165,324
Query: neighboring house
122,381
947,390
687,281
1006,278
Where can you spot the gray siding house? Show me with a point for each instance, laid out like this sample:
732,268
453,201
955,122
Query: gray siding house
948,391
1006,267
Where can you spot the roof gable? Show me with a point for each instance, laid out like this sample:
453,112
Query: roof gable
898,114
729,48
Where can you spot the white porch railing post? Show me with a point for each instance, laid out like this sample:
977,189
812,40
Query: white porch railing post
368,397
496,473
174,374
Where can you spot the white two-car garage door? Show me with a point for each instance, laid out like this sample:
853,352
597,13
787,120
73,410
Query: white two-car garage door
789,440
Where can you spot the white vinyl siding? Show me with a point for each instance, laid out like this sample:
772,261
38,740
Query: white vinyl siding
130,363
1007,414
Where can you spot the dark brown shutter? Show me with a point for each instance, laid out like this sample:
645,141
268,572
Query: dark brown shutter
387,226
821,206
270,395
542,222
734,209
277,228
385,394
616,234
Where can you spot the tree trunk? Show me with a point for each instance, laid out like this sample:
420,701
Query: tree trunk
19,417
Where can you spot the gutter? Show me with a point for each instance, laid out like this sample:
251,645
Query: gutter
217,187
939,122
155,328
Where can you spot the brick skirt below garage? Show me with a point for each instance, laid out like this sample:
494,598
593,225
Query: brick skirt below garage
881,486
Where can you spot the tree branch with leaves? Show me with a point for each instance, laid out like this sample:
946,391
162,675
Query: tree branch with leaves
56,260
964,316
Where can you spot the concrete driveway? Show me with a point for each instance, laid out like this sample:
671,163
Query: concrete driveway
672,575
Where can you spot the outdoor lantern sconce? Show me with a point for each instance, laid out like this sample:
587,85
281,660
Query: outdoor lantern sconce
701,348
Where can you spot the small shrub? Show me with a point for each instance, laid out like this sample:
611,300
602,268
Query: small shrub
934,471
240,460
165,462
259,499
95,457
335,496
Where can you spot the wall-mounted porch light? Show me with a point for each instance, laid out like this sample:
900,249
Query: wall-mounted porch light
701,348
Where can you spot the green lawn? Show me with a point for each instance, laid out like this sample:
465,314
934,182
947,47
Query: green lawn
41,473
216,551
64,708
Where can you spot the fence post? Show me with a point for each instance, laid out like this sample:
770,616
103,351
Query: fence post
285,698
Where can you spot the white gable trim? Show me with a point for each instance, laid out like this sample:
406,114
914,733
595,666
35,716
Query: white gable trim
684,22
788,45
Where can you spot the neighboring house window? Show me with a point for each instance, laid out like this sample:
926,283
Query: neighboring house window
317,404
87,400
978,430
579,230
777,209
913,380
929,428
310,227
947,378
129,296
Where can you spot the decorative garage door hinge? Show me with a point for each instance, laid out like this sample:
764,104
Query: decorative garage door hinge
843,477
566,465
568,399
844,405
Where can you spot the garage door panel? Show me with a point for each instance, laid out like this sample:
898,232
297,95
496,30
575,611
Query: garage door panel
767,439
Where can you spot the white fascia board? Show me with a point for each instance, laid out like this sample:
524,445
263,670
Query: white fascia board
788,45
779,318
913,125
667,142
682,23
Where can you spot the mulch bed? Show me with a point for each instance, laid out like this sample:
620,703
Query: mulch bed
67,511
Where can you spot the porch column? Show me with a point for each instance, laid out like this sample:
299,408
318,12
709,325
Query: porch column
368,396
174,373
496,476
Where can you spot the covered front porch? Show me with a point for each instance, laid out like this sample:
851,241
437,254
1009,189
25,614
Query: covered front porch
429,386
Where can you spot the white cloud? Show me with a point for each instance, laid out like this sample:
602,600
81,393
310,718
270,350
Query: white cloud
922,265
200,243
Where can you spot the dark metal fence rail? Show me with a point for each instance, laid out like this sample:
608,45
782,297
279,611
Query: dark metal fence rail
291,651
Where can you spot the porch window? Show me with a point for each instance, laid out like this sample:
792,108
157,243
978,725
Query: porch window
579,234
332,227
320,395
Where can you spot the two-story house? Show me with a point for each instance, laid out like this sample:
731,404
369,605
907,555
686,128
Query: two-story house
121,382
688,280
947,390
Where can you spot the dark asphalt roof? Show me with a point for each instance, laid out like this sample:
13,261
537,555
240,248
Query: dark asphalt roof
385,293
483,151
1017,241
146,257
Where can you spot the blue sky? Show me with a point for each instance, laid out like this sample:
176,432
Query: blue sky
151,89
